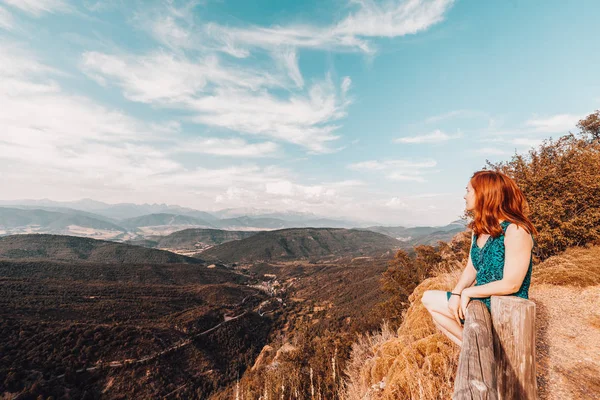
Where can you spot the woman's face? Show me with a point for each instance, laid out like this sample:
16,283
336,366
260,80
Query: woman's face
470,197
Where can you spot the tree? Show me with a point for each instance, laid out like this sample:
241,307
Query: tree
561,181
591,125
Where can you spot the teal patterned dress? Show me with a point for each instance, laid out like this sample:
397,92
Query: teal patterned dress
489,264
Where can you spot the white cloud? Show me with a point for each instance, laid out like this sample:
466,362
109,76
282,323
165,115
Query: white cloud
228,97
371,19
169,79
238,98
456,114
491,151
288,58
58,145
560,123
538,126
521,144
232,147
6,19
389,164
38,7
302,120
398,170
436,136
396,176
346,83
66,140
392,18
396,202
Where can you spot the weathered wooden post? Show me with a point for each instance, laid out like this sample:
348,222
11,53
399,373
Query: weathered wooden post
476,375
513,324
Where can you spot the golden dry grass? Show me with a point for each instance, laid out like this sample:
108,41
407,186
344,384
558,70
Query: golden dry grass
418,362
577,266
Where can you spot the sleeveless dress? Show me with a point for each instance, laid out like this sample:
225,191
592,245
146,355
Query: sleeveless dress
488,261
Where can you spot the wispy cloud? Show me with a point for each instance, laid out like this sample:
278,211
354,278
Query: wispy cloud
243,79
398,170
6,19
391,19
560,123
436,136
375,165
491,151
60,135
228,97
351,33
231,95
77,148
398,176
520,144
456,114
525,135
39,7
288,58
167,78
232,147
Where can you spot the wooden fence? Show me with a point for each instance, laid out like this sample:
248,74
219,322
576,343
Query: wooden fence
497,357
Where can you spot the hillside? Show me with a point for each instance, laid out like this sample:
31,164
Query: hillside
303,244
88,313
200,239
119,331
418,361
415,234
431,239
72,248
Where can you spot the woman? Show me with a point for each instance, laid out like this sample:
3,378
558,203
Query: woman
500,258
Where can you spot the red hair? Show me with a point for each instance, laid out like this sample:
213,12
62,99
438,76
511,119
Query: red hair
497,196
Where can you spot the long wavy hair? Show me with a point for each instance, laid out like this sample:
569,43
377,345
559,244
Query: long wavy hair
497,196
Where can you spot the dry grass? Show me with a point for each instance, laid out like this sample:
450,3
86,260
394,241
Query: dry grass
362,350
417,362
578,266
567,341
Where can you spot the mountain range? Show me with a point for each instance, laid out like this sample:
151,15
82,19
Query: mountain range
148,224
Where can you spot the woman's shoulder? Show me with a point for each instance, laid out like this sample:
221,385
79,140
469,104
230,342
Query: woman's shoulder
516,233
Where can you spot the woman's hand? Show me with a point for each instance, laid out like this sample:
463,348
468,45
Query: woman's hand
465,297
454,307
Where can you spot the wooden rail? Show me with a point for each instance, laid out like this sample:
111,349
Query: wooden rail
497,357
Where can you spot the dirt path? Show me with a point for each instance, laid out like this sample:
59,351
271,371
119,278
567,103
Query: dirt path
568,341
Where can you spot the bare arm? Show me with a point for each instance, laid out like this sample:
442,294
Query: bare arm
518,245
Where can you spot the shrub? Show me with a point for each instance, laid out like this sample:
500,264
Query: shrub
561,181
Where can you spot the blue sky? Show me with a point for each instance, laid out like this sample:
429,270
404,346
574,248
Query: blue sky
374,110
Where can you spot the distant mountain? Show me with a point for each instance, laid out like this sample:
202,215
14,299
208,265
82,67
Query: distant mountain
252,223
303,243
72,248
257,212
433,238
63,210
19,220
171,218
413,234
189,239
114,211
163,219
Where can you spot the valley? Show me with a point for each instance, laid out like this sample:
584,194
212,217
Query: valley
85,318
